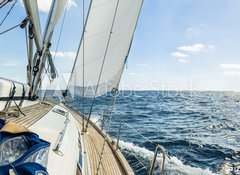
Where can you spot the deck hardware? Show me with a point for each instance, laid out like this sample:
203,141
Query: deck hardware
119,131
162,150
61,136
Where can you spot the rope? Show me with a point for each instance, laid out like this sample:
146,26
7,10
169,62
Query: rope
19,108
12,98
15,1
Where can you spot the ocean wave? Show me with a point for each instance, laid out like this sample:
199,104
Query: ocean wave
173,166
230,168
201,129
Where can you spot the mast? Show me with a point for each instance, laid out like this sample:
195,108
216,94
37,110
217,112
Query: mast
55,12
34,32
31,8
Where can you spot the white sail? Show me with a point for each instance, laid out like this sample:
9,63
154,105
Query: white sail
32,11
108,36
55,14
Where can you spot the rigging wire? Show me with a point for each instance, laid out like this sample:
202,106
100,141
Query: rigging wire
150,141
137,132
5,31
103,114
72,72
83,71
21,25
107,128
79,47
49,80
60,34
5,17
103,62
143,166
56,49
101,155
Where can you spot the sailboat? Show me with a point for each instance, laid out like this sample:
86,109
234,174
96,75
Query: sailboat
42,137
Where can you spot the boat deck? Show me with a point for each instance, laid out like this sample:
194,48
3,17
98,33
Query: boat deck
32,114
112,160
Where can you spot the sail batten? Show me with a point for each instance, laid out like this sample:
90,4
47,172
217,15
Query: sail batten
108,36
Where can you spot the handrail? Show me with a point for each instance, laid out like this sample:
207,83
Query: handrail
162,150
119,132
158,148
61,135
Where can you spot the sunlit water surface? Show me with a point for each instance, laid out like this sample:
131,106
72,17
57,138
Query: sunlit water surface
199,130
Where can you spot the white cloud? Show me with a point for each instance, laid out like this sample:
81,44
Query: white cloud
194,31
191,48
230,66
44,5
183,60
72,3
179,55
232,73
211,46
64,54
142,65
12,63
132,73
232,70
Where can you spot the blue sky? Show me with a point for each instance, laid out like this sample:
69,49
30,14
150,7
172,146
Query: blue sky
179,44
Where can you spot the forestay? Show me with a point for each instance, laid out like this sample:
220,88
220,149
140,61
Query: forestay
107,39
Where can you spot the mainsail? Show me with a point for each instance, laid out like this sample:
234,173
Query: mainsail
104,46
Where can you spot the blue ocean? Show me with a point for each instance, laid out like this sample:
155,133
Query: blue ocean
199,130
